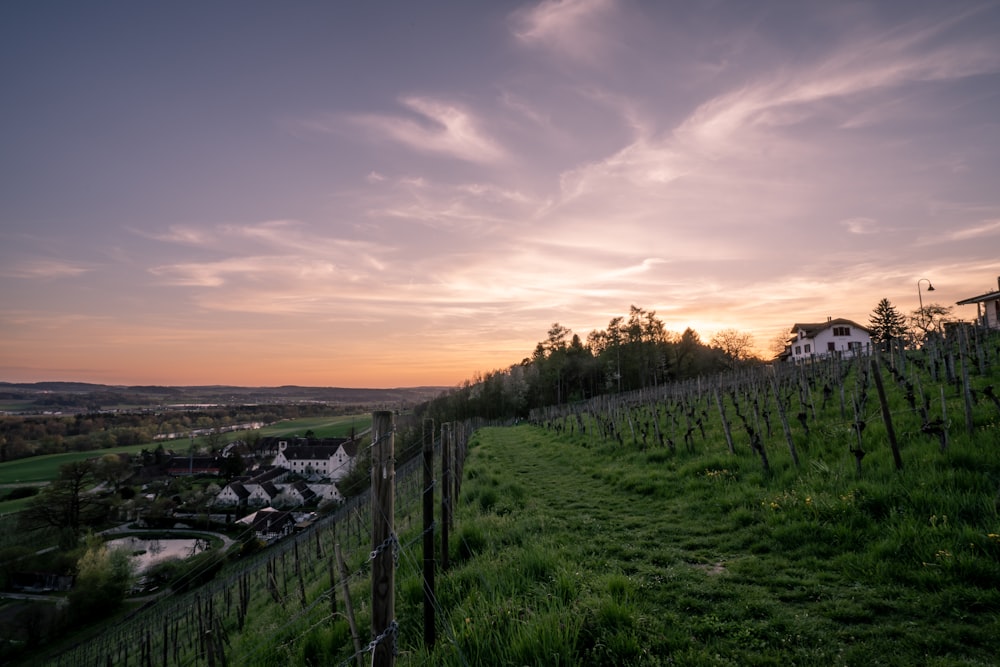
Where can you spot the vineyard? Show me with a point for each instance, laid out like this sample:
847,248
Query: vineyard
838,512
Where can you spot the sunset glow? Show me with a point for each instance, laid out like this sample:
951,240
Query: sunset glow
400,194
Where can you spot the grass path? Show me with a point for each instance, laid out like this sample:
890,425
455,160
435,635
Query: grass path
577,554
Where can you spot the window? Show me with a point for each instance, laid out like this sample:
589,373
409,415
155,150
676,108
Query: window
831,346
808,349
798,349
853,345
842,331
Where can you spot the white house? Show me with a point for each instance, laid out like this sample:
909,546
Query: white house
835,336
235,493
987,308
270,524
263,494
327,493
330,460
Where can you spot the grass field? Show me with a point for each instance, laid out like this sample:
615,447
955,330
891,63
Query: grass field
572,552
36,469
322,427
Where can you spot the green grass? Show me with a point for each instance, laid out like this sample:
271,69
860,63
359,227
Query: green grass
322,427
584,555
576,548
45,468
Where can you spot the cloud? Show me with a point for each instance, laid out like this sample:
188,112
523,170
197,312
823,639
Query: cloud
860,225
866,65
444,128
43,269
986,228
572,28
182,234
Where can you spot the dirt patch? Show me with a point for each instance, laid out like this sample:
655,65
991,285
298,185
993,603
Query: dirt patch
710,568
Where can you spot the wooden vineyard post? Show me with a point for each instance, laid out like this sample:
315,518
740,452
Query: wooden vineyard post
725,422
886,415
445,491
383,540
784,423
428,459
348,607
966,388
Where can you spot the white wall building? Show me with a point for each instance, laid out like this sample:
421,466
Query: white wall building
835,336
328,461
987,308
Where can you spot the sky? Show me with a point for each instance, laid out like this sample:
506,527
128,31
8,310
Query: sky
388,194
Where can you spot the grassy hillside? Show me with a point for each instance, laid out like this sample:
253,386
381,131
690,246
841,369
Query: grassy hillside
626,531
578,552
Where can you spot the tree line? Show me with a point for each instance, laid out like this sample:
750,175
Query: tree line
635,352
23,436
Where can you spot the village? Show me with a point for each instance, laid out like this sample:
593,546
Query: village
284,482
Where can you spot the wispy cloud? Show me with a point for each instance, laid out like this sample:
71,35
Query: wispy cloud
569,27
445,128
860,225
986,228
43,269
877,62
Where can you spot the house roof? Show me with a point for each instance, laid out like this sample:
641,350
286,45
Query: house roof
989,296
200,464
268,520
310,453
267,475
319,452
304,490
270,489
811,329
239,490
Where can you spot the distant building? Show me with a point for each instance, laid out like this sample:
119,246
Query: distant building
179,466
987,308
329,458
835,336
270,524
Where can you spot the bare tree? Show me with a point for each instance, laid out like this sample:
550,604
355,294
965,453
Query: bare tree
736,345
929,319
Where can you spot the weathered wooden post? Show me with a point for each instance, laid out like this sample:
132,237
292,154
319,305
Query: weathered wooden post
348,606
383,540
725,422
445,491
429,562
886,414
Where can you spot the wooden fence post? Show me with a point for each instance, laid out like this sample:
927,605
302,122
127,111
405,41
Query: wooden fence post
429,563
383,540
348,607
445,491
886,415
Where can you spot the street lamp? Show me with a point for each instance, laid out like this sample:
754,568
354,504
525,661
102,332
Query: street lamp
930,288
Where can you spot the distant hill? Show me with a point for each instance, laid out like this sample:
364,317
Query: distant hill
76,396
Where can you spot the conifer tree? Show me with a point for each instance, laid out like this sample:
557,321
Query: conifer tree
886,323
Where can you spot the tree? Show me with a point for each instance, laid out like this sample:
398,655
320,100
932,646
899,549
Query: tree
113,469
886,323
232,466
66,503
736,345
930,319
102,581
779,343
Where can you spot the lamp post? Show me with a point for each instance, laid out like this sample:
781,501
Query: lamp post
930,288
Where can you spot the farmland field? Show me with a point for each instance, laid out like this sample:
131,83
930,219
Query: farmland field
322,427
